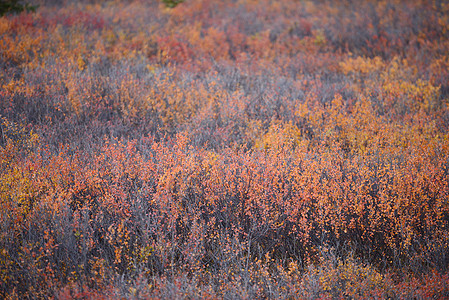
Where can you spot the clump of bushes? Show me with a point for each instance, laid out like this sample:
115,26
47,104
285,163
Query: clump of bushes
172,3
15,6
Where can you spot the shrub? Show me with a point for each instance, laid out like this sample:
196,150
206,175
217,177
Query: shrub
172,3
15,6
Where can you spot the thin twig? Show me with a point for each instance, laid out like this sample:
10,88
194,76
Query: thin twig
3,134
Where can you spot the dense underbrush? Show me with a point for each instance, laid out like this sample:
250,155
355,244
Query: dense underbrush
225,149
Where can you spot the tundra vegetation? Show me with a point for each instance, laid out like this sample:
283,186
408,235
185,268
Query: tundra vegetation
225,149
